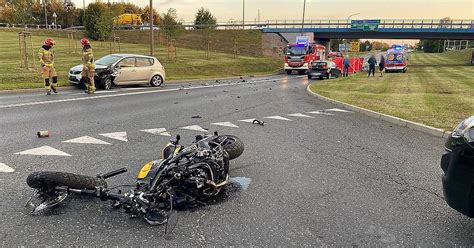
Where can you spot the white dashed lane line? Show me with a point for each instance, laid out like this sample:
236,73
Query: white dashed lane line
87,140
122,136
301,115
277,117
44,150
225,124
158,131
5,168
194,128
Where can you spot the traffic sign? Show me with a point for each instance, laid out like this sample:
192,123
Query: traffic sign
365,25
355,46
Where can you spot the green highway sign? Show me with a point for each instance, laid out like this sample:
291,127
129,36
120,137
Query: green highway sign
365,25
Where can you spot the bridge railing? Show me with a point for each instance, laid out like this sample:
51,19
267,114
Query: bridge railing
388,24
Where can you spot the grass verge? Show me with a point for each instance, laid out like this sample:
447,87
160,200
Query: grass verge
190,63
437,90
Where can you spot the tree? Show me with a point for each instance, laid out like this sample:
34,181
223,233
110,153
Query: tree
92,17
105,24
431,46
205,17
169,23
146,15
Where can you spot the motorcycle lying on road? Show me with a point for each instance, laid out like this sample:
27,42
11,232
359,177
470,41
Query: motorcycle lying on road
184,176
457,164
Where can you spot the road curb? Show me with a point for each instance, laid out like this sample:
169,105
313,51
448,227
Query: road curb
388,118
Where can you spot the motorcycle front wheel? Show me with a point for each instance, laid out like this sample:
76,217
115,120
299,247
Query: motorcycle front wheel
232,145
50,179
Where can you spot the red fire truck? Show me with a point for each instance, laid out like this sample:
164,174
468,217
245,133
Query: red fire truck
298,57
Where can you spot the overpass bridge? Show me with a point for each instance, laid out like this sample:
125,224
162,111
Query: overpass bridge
383,29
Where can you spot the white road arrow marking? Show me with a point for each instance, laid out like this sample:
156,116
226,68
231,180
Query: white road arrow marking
44,150
338,110
277,117
5,168
122,136
320,113
87,140
194,128
301,115
225,124
247,120
159,131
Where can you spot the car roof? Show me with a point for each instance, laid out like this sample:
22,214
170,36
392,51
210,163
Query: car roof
123,55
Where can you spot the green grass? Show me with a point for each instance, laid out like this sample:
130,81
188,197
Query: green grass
437,90
191,64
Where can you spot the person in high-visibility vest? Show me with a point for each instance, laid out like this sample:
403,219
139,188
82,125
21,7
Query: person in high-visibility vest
48,73
88,66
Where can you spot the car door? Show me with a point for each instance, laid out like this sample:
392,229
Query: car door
126,71
144,69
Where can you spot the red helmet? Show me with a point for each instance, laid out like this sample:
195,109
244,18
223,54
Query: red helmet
49,42
85,42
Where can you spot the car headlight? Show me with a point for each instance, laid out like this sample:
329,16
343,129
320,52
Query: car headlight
465,129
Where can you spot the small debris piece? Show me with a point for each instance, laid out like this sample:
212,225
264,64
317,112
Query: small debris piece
42,134
196,117
261,123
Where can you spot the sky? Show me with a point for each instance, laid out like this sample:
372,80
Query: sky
226,10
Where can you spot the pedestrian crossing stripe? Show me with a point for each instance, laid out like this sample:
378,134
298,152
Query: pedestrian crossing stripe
338,110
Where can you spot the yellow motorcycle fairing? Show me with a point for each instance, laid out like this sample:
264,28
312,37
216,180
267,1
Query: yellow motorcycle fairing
164,154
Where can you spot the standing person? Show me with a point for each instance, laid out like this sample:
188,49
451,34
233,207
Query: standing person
347,64
88,66
382,65
48,73
372,62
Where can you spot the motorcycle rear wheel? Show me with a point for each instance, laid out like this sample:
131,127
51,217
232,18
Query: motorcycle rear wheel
232,145
50,179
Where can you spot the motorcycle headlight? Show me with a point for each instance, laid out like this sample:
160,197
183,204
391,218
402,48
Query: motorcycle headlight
465,129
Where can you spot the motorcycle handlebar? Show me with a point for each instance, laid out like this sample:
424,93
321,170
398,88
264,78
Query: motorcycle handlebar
113,173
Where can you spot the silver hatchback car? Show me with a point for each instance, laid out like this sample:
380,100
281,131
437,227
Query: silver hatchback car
123,69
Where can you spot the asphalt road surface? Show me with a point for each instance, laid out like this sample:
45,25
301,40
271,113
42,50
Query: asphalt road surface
331,178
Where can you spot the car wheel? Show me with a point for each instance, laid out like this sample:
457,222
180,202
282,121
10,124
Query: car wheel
321,77
309,77
106,83
156,81
288,72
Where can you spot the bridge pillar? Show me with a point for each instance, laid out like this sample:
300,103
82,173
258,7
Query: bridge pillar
324,42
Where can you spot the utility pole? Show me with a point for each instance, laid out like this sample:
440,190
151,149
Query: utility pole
152,37
45,14
258,16
302,23
243,14
83,8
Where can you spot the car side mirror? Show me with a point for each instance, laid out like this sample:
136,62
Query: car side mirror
118,67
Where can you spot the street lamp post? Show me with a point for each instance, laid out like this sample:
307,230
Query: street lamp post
347,50
45,14
243,14
302,23
152,38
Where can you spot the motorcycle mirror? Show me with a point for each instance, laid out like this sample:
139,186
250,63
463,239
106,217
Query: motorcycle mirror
178,137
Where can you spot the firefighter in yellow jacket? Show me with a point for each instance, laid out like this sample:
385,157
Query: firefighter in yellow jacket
46,57
88,66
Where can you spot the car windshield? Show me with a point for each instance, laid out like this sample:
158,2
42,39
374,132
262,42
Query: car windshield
395,57
107,60
296,50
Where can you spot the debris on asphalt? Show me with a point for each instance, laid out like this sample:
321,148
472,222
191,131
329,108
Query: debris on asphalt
261,123
241,77
175,102
238,96
243,80
42,134
225,91
270,88
196,117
